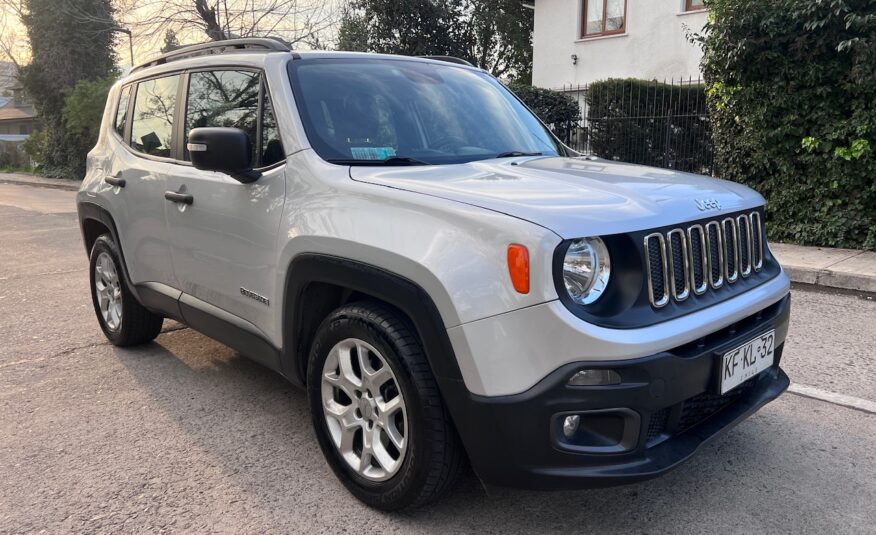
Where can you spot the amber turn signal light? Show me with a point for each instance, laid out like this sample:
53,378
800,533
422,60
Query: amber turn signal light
518,267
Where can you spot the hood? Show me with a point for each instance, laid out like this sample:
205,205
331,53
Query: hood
574,197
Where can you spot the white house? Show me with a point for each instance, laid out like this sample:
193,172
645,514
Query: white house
576,42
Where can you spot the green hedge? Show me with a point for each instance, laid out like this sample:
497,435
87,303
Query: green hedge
792,95
651,123
560,112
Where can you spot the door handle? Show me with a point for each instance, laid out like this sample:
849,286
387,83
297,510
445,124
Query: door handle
184,198
115,181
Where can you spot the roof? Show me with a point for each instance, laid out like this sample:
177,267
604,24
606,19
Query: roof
11,113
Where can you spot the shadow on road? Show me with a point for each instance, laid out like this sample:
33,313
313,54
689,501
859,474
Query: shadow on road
257,427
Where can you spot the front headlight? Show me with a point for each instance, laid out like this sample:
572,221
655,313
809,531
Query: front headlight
586,270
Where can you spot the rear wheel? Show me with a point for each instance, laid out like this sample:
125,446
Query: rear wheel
122,318
377,412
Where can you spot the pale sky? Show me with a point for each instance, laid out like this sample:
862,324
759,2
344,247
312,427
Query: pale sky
13,36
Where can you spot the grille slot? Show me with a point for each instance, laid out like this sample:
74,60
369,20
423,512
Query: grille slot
744,229
679,266
756,241
655,258
731,250
699,259
680,263
716,254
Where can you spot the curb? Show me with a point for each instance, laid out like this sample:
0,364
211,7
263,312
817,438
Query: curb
831,279
845,269
39,182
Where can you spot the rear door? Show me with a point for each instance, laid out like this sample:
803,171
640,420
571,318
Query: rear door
224,243
143,160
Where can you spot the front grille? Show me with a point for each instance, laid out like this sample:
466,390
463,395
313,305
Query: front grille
698,408
690,260
673,420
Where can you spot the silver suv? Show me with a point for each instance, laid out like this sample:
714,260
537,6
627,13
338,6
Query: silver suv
451,285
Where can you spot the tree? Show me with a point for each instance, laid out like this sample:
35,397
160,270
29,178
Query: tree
502,37
83,107
408,27
62,54
13,45
495,35
171,43
294,21
791,86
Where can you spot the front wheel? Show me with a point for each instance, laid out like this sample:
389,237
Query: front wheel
122,318
377,412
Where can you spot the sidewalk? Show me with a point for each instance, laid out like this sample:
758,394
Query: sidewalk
39,181
835,268
821,266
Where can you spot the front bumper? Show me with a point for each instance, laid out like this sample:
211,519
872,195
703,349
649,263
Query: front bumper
668,403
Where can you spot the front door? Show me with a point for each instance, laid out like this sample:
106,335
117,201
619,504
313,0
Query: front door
224,243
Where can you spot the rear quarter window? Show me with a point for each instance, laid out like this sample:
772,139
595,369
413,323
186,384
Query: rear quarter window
122,111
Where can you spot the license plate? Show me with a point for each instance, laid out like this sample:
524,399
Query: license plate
746,361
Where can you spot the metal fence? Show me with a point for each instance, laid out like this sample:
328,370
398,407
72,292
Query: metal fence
662,124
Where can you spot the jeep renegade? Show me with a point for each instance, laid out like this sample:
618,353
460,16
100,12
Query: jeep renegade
451,284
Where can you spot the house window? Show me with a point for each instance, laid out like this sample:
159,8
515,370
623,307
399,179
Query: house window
694,5
604,17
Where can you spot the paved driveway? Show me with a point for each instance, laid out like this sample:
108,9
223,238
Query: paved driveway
185,435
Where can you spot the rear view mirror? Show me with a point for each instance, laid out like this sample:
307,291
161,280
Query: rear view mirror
227,150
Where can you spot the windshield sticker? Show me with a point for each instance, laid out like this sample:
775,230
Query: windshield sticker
372,153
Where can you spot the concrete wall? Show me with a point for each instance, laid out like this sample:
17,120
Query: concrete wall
654,44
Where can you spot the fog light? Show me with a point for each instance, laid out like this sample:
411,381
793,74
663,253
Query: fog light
595,378
570,425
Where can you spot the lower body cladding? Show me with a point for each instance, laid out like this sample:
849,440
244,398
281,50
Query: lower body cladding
660,410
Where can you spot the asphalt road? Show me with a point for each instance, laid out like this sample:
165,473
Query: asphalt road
184,435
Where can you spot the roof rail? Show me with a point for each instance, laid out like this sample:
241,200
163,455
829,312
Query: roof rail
266,44
449,59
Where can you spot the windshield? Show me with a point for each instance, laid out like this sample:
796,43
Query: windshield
397,112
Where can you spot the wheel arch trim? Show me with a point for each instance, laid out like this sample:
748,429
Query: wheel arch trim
90,211
403,294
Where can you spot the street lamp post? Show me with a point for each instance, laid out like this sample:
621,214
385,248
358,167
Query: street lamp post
119,29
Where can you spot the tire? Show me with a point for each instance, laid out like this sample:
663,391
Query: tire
432,458
130,324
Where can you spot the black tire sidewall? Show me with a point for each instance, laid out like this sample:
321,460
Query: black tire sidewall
139,325
104,244
402,488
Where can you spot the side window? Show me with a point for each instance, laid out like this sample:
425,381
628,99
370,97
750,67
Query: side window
226,99
152,123
271,146
122,111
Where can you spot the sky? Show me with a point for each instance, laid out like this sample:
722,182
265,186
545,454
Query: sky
147,40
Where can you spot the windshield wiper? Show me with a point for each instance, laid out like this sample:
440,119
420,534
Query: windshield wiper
392,160
403,160
516,153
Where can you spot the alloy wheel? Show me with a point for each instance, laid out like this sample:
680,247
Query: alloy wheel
364,409
108,289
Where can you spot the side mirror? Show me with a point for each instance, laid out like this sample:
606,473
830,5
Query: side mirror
227,150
